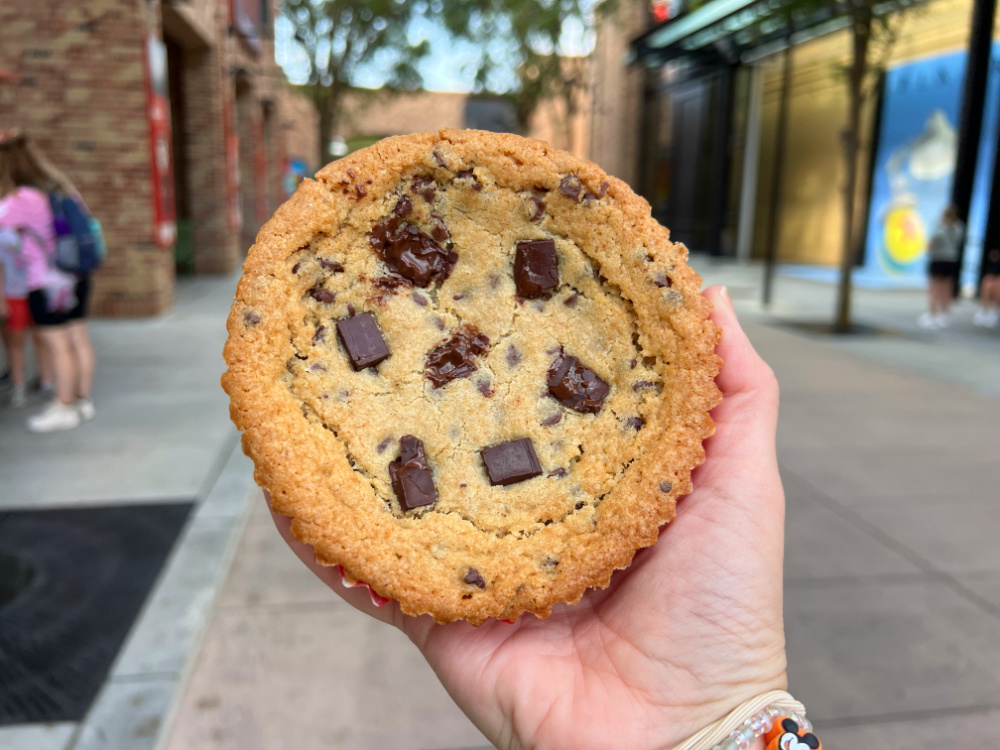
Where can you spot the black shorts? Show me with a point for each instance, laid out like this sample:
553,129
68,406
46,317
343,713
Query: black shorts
41,314
943,269
82,292
991,263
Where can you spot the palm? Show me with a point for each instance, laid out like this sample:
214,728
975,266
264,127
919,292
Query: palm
691,629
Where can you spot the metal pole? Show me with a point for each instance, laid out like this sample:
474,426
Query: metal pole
971,125
991,236
779,176
751,165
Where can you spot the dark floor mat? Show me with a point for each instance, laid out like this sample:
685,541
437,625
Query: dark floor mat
71,584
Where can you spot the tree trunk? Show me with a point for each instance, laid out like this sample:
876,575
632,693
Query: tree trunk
861,36
771,250
327,105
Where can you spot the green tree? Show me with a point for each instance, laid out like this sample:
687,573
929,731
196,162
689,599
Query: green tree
528,38
340,37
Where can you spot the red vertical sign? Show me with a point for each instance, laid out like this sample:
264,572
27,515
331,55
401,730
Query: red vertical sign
161,164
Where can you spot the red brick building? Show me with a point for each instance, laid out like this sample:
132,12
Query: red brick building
172,119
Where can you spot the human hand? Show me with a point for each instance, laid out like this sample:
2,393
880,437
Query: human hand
691,629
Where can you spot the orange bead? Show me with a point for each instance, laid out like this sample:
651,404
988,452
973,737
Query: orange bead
786,734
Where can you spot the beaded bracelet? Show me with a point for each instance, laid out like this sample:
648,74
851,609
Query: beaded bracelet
774,714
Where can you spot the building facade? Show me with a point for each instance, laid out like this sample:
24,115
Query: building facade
171,118
706,133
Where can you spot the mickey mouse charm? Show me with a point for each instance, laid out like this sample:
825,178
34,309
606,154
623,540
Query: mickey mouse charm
785,734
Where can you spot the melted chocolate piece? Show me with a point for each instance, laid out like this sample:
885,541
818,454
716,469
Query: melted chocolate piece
536,268
539,206
473,578
514,356
318,367
636,423
554,419
640,384
404,207
424,187
323,295
439,159
662,280
486,388
320,334
360,191
576,386
511,462
330,265
251,319
411,253
419,299
558,472
666,486
440,231
468,174
570,186
362,340
380,448
412,480
604,188
570,301
456,358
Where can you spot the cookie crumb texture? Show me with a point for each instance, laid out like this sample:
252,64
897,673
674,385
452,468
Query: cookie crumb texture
440,302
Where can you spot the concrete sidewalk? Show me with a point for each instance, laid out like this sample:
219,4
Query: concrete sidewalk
890,448
162,434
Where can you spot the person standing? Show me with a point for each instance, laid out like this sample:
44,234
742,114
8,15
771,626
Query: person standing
988,314
943,252
57,306
15,319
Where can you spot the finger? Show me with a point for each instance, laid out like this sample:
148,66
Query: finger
357,597
747,418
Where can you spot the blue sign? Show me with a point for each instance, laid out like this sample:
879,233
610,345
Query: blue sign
915,163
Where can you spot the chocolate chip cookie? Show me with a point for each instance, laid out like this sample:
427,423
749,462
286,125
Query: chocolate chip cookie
474,371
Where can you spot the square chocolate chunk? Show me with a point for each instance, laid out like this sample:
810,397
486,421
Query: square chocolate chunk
362,340
511,462
536,268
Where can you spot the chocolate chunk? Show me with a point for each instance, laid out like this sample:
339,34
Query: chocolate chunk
330,265
250,318
554,419
579,505
588,197
570,301
411,253
323,295
511,462
514,356
296,267
539,208
570,186
640,384
391,284
558,472
360,191
486,388
576,386
458,297
536,268
350,309
320,334
362,340
318,367
636,423
439,232
439,159
456,358
439,324
662,280
383,445
404,207
604,188
632,364
473,578
424,187
351,173
468,174
666,486
412,480
419,299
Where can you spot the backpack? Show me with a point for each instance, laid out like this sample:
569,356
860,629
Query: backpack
79,241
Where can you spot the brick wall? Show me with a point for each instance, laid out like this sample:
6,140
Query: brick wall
81,96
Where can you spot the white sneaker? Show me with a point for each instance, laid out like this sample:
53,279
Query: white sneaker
19,397
57,416
979,319
941,321
86,408
927,321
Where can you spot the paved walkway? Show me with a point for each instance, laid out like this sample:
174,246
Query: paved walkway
890,448
162,434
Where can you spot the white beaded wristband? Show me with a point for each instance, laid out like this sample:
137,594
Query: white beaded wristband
746,722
